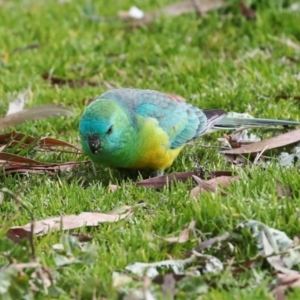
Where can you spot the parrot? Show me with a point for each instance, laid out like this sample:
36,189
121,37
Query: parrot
130,128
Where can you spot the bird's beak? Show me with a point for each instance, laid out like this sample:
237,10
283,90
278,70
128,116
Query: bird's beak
94,143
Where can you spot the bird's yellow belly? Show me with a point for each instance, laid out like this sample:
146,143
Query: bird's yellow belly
155,152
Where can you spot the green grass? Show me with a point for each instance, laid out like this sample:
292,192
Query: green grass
203,59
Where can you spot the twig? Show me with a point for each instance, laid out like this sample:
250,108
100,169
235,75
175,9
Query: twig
258,156
196,4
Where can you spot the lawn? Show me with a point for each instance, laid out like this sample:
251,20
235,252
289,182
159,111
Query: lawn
217,60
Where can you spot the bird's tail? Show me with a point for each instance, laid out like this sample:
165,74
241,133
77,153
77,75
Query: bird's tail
235,121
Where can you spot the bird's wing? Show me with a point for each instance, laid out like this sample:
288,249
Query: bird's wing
182,121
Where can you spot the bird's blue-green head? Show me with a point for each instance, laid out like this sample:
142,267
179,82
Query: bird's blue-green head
106,131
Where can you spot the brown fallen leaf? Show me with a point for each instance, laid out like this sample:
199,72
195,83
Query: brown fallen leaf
212,184
242,266
183,236
83,237
236,159
70,82
8,157
42,168
68,222
168,287
197,7
206,185
34,113
13,138
52,142
208,243
246,11
16,137
160,279
179,8
41,275
161,181
283,191
271,143
285,281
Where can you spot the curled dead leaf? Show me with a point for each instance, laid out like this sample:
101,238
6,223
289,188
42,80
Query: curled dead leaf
246,11
283,191
212,184
271,143
161,181
208,243
41,168
12,158
112,188
34,113
183,236
68,222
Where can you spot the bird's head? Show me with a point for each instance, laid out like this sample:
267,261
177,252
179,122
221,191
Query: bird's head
105,128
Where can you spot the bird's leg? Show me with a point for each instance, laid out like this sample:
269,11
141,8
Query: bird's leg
94,169
158,173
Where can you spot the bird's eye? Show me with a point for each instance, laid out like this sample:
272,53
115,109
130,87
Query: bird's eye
110,129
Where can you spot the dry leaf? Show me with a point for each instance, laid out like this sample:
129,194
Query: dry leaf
169,287
13,138
52,142
41,275
68,222
212,184
180,8
112,188
34,113
40,169
246,11
183,236
271,143
239,138
70,82
285,281
8,157
83,237
283,191
208,243
160,181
